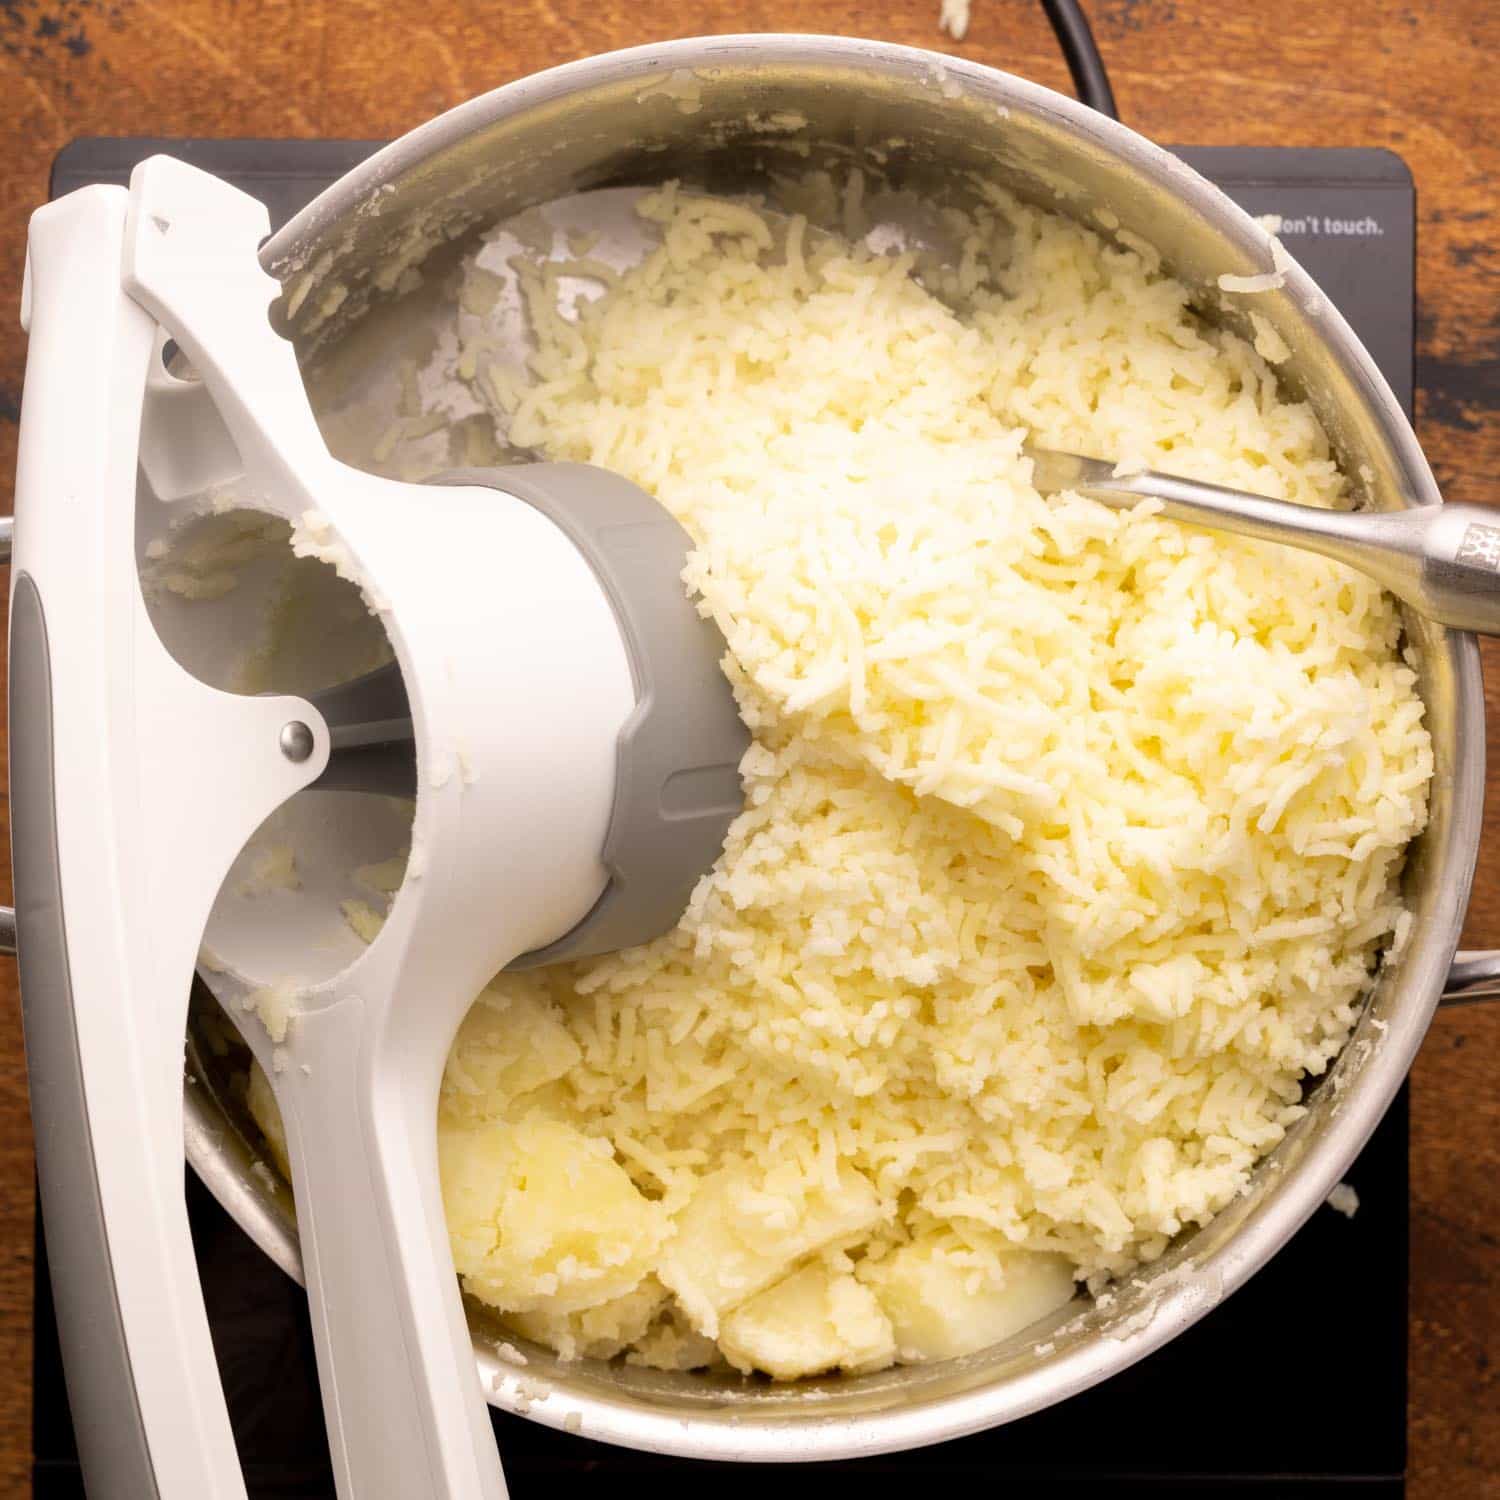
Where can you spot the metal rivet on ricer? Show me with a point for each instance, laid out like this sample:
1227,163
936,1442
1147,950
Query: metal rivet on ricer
296,740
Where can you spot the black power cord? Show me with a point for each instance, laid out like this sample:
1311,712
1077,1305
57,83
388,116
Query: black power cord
1090,81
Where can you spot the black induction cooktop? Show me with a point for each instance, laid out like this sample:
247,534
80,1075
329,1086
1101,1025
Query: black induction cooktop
1295,1386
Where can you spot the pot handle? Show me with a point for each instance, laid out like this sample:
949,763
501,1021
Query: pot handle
1475,975
7,913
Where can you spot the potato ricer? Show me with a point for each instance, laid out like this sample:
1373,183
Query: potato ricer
555,742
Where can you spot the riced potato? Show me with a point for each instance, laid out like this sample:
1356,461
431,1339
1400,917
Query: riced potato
1071,837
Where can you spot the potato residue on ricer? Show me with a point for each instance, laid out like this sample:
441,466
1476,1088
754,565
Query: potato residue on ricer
1071,836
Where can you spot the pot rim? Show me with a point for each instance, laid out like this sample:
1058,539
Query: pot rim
740,1433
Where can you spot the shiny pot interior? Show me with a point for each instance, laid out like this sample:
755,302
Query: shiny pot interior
934,125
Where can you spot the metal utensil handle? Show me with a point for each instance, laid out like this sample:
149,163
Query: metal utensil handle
1443,560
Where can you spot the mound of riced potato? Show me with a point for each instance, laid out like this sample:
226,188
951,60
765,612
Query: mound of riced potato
1071,836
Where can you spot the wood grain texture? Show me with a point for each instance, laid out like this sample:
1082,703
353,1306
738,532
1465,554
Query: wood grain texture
1414,76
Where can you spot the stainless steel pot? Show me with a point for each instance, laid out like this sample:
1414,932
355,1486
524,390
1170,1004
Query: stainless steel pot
933,124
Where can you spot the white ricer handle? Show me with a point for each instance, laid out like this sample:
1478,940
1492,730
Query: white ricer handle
122,833
406,1416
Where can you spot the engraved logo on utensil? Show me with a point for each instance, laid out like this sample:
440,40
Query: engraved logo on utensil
1480,545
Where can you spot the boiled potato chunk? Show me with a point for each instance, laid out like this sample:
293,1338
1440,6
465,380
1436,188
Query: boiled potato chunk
595,1332
541,1217
817,1320
944,1299
511,1042
672,1343
742,1231
267,1114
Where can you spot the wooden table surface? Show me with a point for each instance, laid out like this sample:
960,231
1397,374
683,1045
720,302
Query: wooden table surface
1414,75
